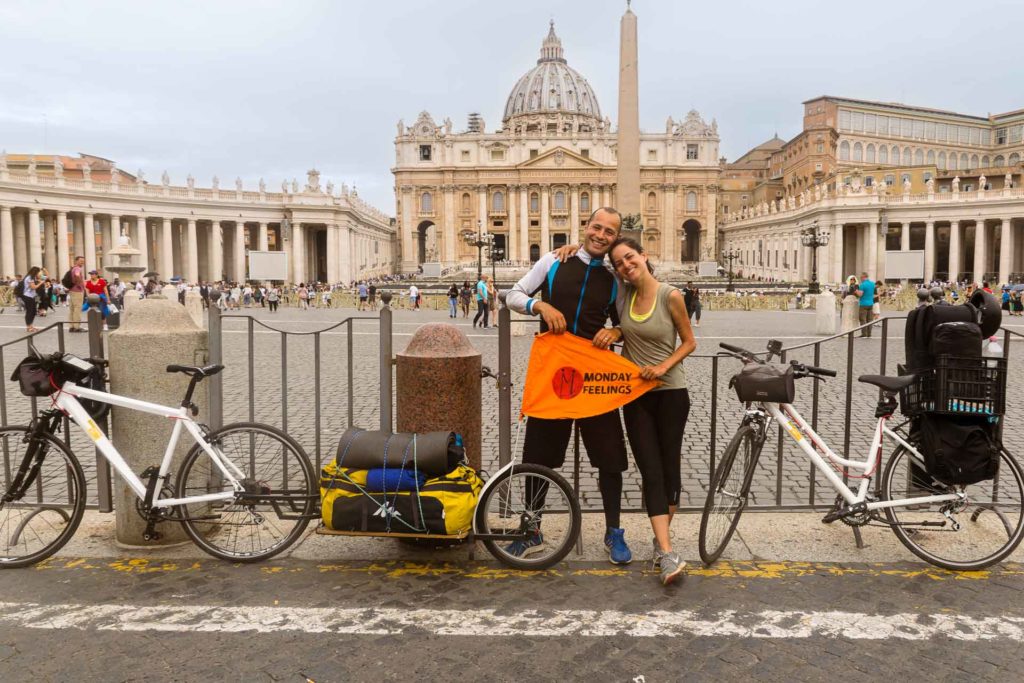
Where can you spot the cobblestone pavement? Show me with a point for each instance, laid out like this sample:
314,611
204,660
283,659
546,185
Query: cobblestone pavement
783,475
118,620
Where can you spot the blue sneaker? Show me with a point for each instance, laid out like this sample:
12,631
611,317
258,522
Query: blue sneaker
528,547
618,551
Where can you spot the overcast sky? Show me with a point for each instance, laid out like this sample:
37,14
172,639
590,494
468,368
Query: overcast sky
256,88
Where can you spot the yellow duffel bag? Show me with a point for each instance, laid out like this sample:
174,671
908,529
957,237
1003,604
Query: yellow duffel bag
443,505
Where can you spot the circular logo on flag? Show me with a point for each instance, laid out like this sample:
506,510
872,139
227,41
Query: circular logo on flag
567,382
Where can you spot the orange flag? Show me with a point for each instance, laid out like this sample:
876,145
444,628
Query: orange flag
570,377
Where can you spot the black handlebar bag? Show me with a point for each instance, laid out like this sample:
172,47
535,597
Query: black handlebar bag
767,383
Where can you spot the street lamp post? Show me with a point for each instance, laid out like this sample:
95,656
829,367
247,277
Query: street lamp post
813,237
730,255
497,253
483,239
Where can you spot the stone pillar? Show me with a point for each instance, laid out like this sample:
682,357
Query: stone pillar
628,162
481,212
954,250
825,314
513,225
929,251
450,238
141,241
63,260
440,363
6,242
21,243
346,263
668,225
905,236
264,239
574,214
524,230
216,273
166,262
88,247
1005,251
192,250
332,253
880,259
871,237
408,264
980,248
837,254
49,245
239,252
299,254
545,220
155,332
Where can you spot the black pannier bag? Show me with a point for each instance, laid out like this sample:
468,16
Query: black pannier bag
959,450
921,326
767,383
33,374
956,339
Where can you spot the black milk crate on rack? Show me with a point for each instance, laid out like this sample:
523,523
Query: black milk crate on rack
957,385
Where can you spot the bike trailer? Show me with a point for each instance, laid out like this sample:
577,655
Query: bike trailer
768,383
443,505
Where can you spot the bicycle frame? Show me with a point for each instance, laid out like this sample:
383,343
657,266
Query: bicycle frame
785,415
66,400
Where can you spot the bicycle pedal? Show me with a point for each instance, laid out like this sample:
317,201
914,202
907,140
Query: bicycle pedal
152,536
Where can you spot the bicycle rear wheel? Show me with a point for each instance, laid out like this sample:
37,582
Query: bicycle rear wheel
279,500
727,494
990,519
516,505
46,502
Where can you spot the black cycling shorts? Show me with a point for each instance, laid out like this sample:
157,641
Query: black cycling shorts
546,441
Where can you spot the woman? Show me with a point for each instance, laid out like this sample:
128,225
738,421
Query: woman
465,297
696,305
30,294
453,300
492,299
303,297
273,296
657,337
96,285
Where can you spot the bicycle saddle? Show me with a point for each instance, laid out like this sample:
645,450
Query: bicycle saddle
191,371
888,383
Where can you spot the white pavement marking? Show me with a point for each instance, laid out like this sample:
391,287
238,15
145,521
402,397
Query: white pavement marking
775,624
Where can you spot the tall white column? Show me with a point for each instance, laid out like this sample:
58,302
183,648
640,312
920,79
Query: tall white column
35,242
88,249
545,220
980,248
668,225
1005,252
512,243
21,263
450,238
871,237
954,250
481,213
166,251
264,239
929,251
63,261
216,251
524,221
574,214
299,253
905,236
332,254
6,242
239,252
111,231
50,245
408,264
347,267
192,251
141,241
837,254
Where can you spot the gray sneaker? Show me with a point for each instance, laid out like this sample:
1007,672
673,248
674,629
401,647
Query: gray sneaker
671,567
658,554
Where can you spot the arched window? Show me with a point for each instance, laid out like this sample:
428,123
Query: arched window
652,201
534,203
858,152
986,162
498,201
953,161
894,155
883,155
465,201
999,161
844,151
918,157
1014,159
584,203
974,161
942,160
869,154
560,201
963,160
931,157
908,157
691,201
426,202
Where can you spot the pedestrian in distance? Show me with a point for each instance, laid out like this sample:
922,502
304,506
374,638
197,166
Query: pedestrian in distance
77,294
364,294
866,293
465,298
29,294
453,300
482,303
273,298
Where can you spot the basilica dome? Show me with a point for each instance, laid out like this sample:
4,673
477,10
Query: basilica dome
553,87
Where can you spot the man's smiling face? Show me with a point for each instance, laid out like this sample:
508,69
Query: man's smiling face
600,232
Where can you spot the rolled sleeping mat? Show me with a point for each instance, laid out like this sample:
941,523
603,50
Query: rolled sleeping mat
436,453
991,312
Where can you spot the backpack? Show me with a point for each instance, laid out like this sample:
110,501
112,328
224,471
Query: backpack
956,339
921,326
68,280
19,289
959,450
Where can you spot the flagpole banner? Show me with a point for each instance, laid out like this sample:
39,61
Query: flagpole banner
569,377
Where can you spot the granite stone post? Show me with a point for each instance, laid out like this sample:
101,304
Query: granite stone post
850,320
194,306
157,333
825,315
438,386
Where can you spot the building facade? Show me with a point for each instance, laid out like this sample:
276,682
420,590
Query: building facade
891,183
54,208
533,182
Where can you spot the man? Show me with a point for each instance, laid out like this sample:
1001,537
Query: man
688,298
482,303
77,294
866,292
578,297
364,293
373,297
414,297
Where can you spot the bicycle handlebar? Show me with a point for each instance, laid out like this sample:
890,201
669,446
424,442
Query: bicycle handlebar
819,371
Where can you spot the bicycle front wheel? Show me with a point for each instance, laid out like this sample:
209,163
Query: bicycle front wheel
43,505
515,506
727,494
979,531
270,514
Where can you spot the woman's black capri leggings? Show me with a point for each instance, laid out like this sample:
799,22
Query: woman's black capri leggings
30,309
655,423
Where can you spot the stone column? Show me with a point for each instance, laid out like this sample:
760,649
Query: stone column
574,214
628,163
668,225
837,254
49,245
264,239
929,251
980,248
346,267
524,231
6,242
905,236
545,220
21,263
332,253
63,261
871,237
141,241
89,243
216,273
299,253
35,242
1005,251
512,243
408,264
192,249
239,251
954,250
481,213
881,259
450,238
166,250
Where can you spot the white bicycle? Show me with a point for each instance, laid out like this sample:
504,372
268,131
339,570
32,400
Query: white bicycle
957,527
243,493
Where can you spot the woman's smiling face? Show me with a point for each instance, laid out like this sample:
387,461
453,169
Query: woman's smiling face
629,264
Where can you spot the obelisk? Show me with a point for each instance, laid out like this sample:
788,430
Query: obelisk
628,190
